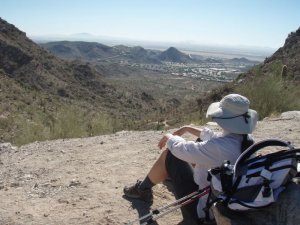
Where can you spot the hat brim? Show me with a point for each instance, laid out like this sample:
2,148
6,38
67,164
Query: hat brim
238,125
214,110
235,125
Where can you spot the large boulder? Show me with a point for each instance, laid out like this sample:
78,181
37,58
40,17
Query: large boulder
286,211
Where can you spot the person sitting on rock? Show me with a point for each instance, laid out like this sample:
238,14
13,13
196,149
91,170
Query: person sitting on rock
186,162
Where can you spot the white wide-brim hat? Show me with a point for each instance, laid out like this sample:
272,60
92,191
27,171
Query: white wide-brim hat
232,113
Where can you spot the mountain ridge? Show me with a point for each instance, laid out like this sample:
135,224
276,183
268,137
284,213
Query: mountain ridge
90,51
174,55
96,51
289,54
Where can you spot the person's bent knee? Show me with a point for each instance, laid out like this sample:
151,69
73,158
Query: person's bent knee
163,155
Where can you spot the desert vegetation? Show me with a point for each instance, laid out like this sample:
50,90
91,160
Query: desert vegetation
271,93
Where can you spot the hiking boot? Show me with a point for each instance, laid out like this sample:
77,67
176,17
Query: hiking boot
134,191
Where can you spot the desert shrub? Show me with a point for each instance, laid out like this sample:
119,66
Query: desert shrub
66,122
62,92
270,95
5,128
29,132
4,123
99,123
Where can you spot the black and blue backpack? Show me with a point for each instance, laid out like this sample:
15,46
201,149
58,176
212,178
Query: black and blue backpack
255,180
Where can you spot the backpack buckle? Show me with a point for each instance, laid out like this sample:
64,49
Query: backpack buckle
266,174
267,191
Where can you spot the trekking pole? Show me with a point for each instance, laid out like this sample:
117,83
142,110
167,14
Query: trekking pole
160,212
187,201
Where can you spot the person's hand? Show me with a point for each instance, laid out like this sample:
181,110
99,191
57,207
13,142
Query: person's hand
162,142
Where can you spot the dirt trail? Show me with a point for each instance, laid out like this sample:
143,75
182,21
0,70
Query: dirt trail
80,181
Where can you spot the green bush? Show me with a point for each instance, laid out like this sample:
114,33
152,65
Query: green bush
66,122
270,95
30,132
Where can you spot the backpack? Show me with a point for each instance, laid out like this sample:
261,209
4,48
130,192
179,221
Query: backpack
254,181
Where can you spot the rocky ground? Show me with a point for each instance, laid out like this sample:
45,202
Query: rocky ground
80,181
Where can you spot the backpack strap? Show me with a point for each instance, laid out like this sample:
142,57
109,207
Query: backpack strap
272,158
282,153
256,147
257,174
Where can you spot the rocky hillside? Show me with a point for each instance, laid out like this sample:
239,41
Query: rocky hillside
34,68
289,54
79,50
37,88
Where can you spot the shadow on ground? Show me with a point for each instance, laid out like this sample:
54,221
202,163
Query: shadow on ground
143,208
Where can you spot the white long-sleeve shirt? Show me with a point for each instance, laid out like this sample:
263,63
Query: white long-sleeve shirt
209,153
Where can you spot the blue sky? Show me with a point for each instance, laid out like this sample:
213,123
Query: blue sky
225,22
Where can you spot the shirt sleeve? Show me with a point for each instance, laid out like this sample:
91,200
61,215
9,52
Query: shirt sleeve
207,134
202,153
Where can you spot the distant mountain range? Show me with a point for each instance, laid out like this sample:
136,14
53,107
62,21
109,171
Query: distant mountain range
96,51
93,51
250,52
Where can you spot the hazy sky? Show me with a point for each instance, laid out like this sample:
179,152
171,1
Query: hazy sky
264,23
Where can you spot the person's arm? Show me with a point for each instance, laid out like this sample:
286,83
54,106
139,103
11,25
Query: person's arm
185,129
188,129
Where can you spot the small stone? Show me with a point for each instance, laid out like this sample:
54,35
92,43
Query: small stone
63,201
74,183
15,184
42,195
